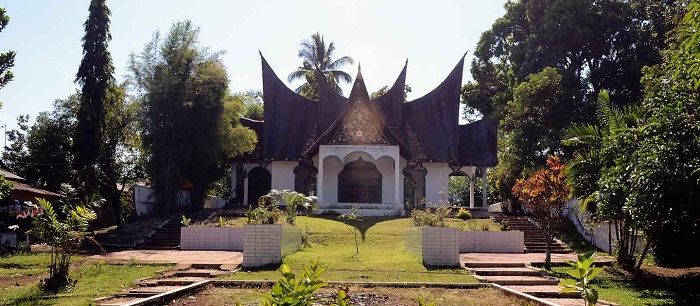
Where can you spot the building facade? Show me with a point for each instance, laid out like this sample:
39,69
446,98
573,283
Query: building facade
382,156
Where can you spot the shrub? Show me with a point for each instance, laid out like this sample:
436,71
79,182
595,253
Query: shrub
291,200
185,221
265,213
583,272
434,217
300,290
464,214
64,235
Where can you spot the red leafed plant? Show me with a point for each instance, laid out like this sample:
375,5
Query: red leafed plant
544,194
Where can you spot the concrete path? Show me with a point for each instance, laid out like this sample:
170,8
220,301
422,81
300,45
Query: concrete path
535,259
174,257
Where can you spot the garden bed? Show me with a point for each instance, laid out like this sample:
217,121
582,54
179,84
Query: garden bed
359,296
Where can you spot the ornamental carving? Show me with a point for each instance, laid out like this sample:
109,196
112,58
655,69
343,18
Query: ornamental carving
360,127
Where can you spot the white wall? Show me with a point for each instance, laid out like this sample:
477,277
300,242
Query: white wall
331,169
436,180
283,174
385,166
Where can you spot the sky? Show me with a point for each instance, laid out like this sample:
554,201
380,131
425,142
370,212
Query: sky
381,35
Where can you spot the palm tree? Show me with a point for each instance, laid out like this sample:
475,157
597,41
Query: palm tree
583,170
317,56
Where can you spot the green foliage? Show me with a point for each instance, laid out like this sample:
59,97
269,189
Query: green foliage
191,124
293,290
252,100
433,217
582,272
349,218
686,63
291,200
184,221
316,55
7,59
265,213
41,153
463,214
5,189
95,77
64,235
584,42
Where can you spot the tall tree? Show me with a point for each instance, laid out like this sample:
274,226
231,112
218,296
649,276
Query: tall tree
7,59
190,126
317,56
593,44
95,77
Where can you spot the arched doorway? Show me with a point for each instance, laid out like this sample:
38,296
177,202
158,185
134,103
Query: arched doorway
259,184
360,182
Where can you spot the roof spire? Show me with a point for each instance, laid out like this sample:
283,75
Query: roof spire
359,90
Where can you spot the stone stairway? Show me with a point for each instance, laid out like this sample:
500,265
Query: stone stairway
525,279
169,283
535,241
167,236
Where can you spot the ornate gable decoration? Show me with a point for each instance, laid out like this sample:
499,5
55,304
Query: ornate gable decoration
359,127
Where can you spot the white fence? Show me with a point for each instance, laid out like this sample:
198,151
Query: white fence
600,235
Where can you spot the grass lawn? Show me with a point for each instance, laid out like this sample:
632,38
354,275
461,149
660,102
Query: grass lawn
382,256
617,287
380,296
20,275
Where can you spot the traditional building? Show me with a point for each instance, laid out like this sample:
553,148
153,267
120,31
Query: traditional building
382,155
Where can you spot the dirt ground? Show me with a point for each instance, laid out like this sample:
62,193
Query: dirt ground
359,296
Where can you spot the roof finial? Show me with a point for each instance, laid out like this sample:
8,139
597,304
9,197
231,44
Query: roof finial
359,70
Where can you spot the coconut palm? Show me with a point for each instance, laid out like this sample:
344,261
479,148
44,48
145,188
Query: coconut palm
316,55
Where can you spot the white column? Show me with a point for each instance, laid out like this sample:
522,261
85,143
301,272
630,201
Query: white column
245,191
397,179
484,189
319,180
232,187
471,190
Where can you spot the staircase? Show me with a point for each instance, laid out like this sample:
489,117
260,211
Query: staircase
169,283
167,235
535,241
524,278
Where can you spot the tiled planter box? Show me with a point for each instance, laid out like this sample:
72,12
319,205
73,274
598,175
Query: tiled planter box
436,246
491,242
212,238
266,244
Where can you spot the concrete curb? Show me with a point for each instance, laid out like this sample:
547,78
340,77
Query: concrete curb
257,283
522,295
165,297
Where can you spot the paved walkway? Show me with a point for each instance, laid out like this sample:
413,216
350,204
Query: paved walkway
174,257
526,258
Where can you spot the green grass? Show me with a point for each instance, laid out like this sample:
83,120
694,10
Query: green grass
24,265
622,290
382,255
94,279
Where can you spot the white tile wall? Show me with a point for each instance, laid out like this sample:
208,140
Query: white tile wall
491,242
211,238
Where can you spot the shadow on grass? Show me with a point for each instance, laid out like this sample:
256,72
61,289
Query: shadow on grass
363,226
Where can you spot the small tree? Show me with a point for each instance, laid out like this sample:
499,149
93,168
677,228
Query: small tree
348,219
64,236
544,194
582,273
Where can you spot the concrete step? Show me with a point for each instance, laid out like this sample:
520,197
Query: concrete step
154,289
358,206
519,280
545,291
506,272
198,273
179,281
553,251
494,265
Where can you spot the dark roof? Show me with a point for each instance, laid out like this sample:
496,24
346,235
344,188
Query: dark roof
477,143
426,128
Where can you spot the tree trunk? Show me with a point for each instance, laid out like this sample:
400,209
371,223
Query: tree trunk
641,259
548,252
